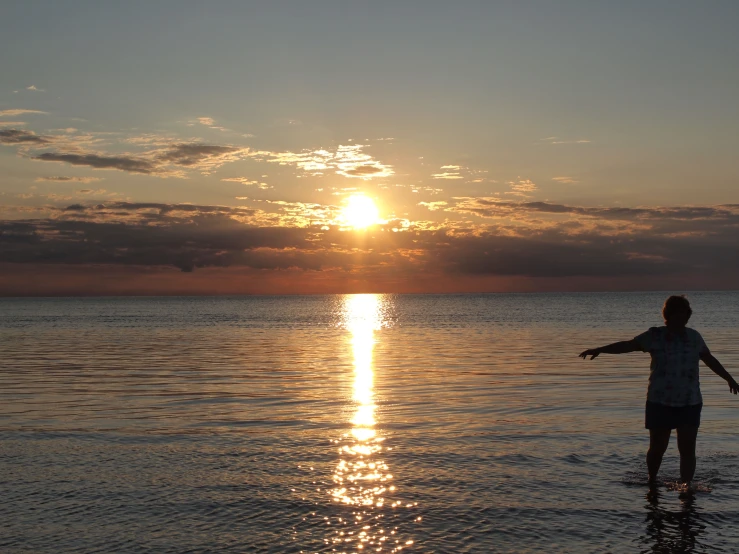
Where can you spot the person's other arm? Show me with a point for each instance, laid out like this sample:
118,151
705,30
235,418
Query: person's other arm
719,370
623,347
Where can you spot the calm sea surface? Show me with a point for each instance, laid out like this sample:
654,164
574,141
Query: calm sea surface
367,423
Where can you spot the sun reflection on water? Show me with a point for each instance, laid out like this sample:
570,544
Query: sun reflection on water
362,479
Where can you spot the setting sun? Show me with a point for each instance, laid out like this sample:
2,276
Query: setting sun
360,212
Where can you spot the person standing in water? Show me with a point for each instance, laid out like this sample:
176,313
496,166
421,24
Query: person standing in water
674,398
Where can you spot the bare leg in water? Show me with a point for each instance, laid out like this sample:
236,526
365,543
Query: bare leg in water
658,441
686,445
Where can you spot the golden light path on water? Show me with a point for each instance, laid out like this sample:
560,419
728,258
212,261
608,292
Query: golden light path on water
362,478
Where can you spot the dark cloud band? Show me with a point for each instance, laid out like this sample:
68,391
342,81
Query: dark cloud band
189,236
19,137
122,163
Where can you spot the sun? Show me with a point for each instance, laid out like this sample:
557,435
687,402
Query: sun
360,212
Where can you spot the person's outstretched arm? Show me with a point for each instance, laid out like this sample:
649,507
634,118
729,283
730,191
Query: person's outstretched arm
719,370
622,347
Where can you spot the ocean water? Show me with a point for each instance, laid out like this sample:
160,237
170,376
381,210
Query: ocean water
365,423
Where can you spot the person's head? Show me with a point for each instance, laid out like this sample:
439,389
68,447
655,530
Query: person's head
676,311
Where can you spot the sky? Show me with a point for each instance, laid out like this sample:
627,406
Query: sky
182,147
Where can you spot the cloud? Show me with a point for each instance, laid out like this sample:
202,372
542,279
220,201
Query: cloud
158,162
565,180
521,187
433,206
347,160
446,175
364,170
558,140
91,191
691,241
64,142
181,235
121,163
554,254
242,180
63,179
12,123
210,122
301,214
448,172
35,89
205,157
157,155
246,181
454,172
164,156
150,139
699,222
18,136
7,113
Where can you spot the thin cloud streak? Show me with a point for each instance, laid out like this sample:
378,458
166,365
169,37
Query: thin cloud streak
64,179
565,180
558,140
14,112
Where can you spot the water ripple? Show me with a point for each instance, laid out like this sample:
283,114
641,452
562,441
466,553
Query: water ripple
271,424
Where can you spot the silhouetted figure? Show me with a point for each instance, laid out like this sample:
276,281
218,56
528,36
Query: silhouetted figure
674,398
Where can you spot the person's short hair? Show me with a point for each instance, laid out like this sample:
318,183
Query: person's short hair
676,304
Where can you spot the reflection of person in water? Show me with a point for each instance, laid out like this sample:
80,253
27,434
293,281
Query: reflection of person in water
672,532
673,396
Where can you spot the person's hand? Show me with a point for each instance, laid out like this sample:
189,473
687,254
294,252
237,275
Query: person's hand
592,352
733,385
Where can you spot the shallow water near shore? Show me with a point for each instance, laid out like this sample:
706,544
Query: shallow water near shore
365,423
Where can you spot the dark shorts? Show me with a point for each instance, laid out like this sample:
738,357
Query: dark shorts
659,416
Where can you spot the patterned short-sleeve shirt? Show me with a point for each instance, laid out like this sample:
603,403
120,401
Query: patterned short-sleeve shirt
673,376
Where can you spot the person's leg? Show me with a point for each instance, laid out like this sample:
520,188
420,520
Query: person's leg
658,441
686,437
